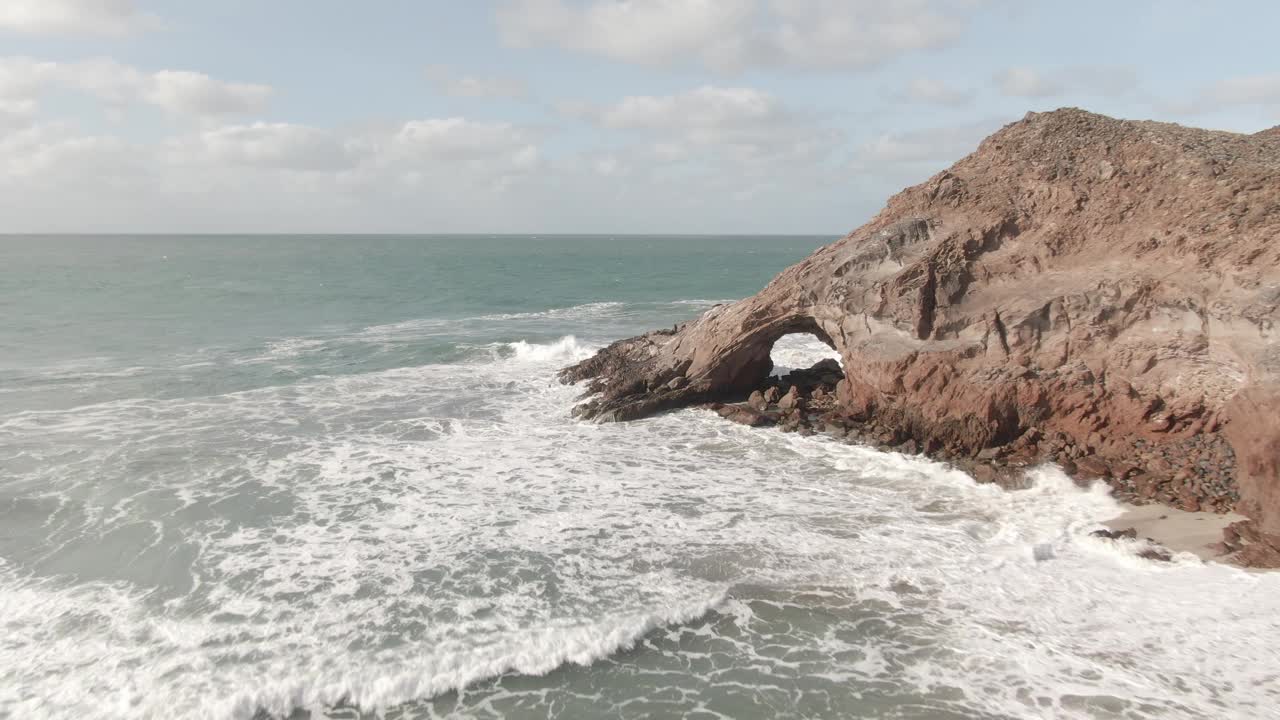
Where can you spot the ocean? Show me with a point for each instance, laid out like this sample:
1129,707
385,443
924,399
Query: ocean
335,477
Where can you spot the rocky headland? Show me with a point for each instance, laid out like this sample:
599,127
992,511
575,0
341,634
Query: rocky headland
1093,292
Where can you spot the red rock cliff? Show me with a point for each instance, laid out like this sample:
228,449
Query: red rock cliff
1107,285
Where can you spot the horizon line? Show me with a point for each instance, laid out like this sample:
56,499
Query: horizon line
420,234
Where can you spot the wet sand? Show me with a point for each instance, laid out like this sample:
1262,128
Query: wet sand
1177,530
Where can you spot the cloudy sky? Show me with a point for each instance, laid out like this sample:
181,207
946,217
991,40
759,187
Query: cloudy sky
733,116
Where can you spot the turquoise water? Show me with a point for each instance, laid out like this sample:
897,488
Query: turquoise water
335,477
123,304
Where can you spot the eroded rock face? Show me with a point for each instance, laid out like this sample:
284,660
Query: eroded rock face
1112,284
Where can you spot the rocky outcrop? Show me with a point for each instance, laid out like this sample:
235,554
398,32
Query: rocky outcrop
1089,290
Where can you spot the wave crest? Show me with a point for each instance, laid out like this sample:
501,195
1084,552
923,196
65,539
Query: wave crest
534,652
566,349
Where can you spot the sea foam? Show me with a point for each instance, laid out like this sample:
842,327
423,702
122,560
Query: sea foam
388,537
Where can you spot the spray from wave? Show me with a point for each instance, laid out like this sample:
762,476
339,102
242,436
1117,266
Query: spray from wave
565,350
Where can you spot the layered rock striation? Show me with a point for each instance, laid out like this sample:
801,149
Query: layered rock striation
1098,292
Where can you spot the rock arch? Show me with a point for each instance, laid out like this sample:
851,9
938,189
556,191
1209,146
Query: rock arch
723,355
798,351
747,363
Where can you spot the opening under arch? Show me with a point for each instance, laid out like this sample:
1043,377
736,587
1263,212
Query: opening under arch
799,351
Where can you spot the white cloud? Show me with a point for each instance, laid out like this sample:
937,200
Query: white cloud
1104,80
269,176
935,147
730,127
860,33
277,145
1025,82
192,93
450,82
17,109
73,17
52,156
458,140
731,34
177,92
453,154
707,107
932,92
1246,91
609,166
643,31
22,78
702,160
1250,90
450,149
709,146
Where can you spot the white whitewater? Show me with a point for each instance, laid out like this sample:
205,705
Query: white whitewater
390,537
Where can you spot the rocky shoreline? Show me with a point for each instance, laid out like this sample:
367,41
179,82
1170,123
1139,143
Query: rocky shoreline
803,401
1098,293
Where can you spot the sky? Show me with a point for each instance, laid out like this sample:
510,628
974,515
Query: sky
569,116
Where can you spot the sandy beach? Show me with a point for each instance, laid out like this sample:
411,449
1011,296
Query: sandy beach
1177,530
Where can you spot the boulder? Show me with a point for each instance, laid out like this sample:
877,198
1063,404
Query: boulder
1146,486
790,401
745,415
1092,467
827,366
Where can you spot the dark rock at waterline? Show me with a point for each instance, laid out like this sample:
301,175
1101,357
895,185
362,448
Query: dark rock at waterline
1250,547
1153,550
745,415
1125,534
1155,553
